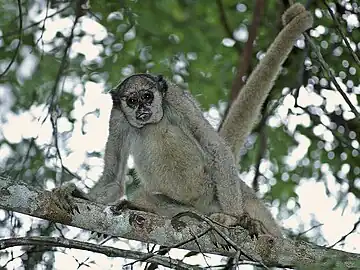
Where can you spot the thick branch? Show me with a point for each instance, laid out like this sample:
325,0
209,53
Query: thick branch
146,227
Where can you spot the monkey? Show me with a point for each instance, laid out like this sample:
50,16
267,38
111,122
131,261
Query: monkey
184,164
182,161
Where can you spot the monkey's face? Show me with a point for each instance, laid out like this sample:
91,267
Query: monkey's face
140,97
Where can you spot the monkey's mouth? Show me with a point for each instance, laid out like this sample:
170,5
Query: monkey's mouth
143,116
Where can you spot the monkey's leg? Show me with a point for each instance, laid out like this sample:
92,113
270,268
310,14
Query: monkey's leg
257,218
106,193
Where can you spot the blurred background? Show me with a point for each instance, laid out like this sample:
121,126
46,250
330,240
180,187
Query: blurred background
59,58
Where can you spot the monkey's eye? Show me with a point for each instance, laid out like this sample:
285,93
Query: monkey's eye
131,102
147,97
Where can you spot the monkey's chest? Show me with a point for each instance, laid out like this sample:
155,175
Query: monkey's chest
170,157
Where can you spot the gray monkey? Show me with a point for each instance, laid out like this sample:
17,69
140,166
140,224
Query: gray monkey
182,162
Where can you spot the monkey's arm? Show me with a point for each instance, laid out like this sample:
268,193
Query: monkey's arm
111,186
245,110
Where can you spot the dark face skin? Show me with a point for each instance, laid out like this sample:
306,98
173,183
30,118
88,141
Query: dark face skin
140,98
141,101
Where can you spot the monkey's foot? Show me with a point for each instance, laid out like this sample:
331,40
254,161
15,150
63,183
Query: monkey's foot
122,205
254,226
64,197
225,220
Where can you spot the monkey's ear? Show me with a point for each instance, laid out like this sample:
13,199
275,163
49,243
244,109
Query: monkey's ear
162,84
116,92
115,97
112,92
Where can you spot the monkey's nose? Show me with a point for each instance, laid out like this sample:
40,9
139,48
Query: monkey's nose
144,116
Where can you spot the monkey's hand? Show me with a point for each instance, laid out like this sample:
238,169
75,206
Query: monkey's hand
64,197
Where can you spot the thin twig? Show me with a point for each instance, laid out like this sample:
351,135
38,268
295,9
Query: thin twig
225,23
62,65
167,249
43,26
244,63
11,33
308,230
356,224
19,42
316,119
24,159
338,28
198,245
329,72
236,258
211,223
53,112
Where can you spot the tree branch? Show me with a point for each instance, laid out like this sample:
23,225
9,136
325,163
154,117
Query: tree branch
342,34
328,72
106,250
146,227
19,42
12,33
225,23
244,63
